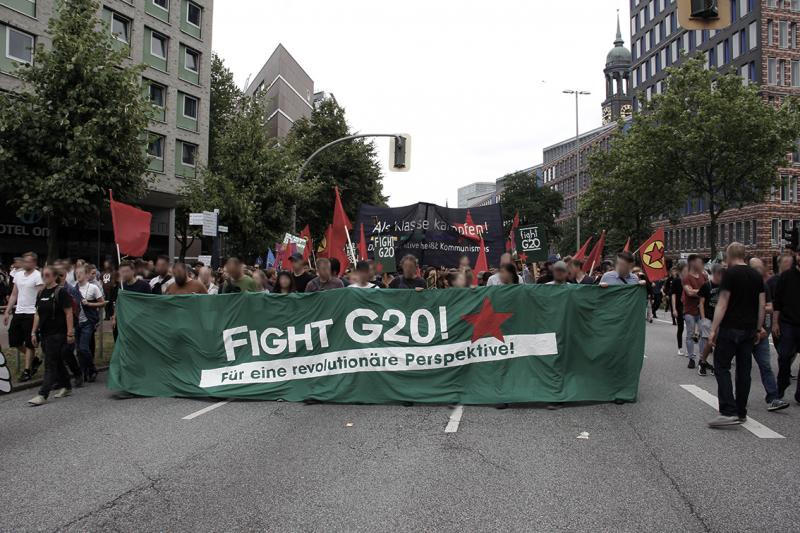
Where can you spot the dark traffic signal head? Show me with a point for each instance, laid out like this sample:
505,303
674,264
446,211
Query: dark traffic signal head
792,238
705,9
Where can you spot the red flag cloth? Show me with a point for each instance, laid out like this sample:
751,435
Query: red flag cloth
325,245
131,228
288,251
596,255
481,265
511,243
652,254
306,234
627,245
362,245
340,229
278,256
581,254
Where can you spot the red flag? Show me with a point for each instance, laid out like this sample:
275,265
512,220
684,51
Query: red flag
481,265
627,245
288,251
362,245
580,254
596,255
652,253
339,231
278,256
131,227
511,242
325,245
306,234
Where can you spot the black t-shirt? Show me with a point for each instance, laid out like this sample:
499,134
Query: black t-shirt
402,283
676,288
301,281
744,285
138,285
50,305
786,298
709,292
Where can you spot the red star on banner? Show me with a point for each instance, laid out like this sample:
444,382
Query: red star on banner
523,257
657,254
469,229
487,322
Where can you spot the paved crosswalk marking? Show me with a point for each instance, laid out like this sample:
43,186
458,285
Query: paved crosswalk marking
455,419
756,428
204,410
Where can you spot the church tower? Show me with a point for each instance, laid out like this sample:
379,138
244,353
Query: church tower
619,100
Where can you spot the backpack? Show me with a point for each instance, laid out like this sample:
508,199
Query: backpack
76,306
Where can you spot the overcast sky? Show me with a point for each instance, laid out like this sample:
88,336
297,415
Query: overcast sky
478,85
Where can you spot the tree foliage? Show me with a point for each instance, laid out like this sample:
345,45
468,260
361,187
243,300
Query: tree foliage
535,205
224,101
77,128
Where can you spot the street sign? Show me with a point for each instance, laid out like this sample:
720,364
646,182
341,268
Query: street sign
300,242
222,229
205,259
384,253
209,223
531,243
195,219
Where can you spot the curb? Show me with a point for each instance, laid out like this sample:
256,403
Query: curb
32,384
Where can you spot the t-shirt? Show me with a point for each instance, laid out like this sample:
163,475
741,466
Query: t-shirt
402,283
316,284
709,292
90,293
159,284
243,284
192,286
28,286
138,285
51,309
676,289
691,304
744,285
613,278
494,279
787,297
301,281
357,286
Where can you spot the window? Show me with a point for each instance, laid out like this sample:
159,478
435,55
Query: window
158,45
163,4
770,32
752,31
739,234
194,14
156,94
19,45
702,237
784,34
155,148
120,27
192,61
781,72
795,73
795,5
772,74
188,154
747,234
788,189
735,43
775,230
189,107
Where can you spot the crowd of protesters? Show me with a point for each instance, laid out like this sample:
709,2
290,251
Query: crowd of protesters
728,309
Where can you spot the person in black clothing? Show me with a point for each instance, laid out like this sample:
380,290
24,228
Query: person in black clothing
300,274
786,325
128,282
735,329
409,279
676,297
53,326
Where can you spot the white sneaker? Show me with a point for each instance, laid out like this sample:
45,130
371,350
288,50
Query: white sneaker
62,393
680,352
37,400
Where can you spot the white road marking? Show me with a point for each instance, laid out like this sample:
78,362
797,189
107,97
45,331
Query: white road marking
455,419
664,321
756,428
205,410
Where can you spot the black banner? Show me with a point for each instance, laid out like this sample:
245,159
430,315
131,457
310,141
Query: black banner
436,235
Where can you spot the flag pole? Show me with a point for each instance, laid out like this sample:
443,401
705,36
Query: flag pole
350,250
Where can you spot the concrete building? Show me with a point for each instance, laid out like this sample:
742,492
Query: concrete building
172,38
494,196
289,91
762,45
469,193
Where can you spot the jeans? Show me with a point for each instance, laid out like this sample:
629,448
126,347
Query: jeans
55,372
732,343
691,349
762,356
788,346
85,332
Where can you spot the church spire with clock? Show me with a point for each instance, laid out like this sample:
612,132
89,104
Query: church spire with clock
619,100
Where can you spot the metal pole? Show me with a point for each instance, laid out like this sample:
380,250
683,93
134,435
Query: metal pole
577,176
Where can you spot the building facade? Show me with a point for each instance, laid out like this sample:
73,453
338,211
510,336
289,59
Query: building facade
762,45
172,38
474,191
288,89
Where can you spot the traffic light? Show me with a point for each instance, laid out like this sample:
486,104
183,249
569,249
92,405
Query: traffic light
704,14
792,238
400,153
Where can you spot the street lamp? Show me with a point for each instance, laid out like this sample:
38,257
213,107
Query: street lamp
577,93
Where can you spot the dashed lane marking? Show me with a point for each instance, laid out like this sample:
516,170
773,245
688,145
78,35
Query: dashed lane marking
756,428
455,419
205,410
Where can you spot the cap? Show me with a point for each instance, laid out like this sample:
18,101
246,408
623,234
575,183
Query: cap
297,257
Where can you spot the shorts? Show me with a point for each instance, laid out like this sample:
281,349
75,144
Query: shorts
705,328
19,331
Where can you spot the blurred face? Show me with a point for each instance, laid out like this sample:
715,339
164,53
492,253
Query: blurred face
284,282
624,267
574,271
459,281
126,273
234,269
696,265
785,264
362,276
506,276
463,262
49,276
559,275
324,270
716,277
409,269
297,266
205,276
505,259
162,267
179,273
28,263
81,275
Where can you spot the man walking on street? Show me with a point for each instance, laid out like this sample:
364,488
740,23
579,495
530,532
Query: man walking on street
735,329
786,326
27,284
692,283
709,296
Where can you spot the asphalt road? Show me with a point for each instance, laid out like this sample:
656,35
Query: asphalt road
93,463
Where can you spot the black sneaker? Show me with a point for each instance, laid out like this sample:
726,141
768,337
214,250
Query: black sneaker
777,405
691,363
35,365
701,369
78,378
25,376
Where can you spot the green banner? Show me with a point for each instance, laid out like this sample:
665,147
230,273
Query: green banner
531,243
523,343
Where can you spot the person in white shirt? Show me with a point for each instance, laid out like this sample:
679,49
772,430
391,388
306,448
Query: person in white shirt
158,285
560,274
91,302
362,276
27,284
206,279
495,278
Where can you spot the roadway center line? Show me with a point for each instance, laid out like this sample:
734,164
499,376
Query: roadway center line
756,428
205,410
664,321
455,419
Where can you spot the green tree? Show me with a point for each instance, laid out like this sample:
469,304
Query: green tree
565,245
352,166
710,136
535,205
77,128
225,98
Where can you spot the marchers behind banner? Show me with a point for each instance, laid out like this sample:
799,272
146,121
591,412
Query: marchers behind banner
436,235
523,343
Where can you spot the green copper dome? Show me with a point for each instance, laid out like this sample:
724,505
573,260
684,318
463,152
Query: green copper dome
619,55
